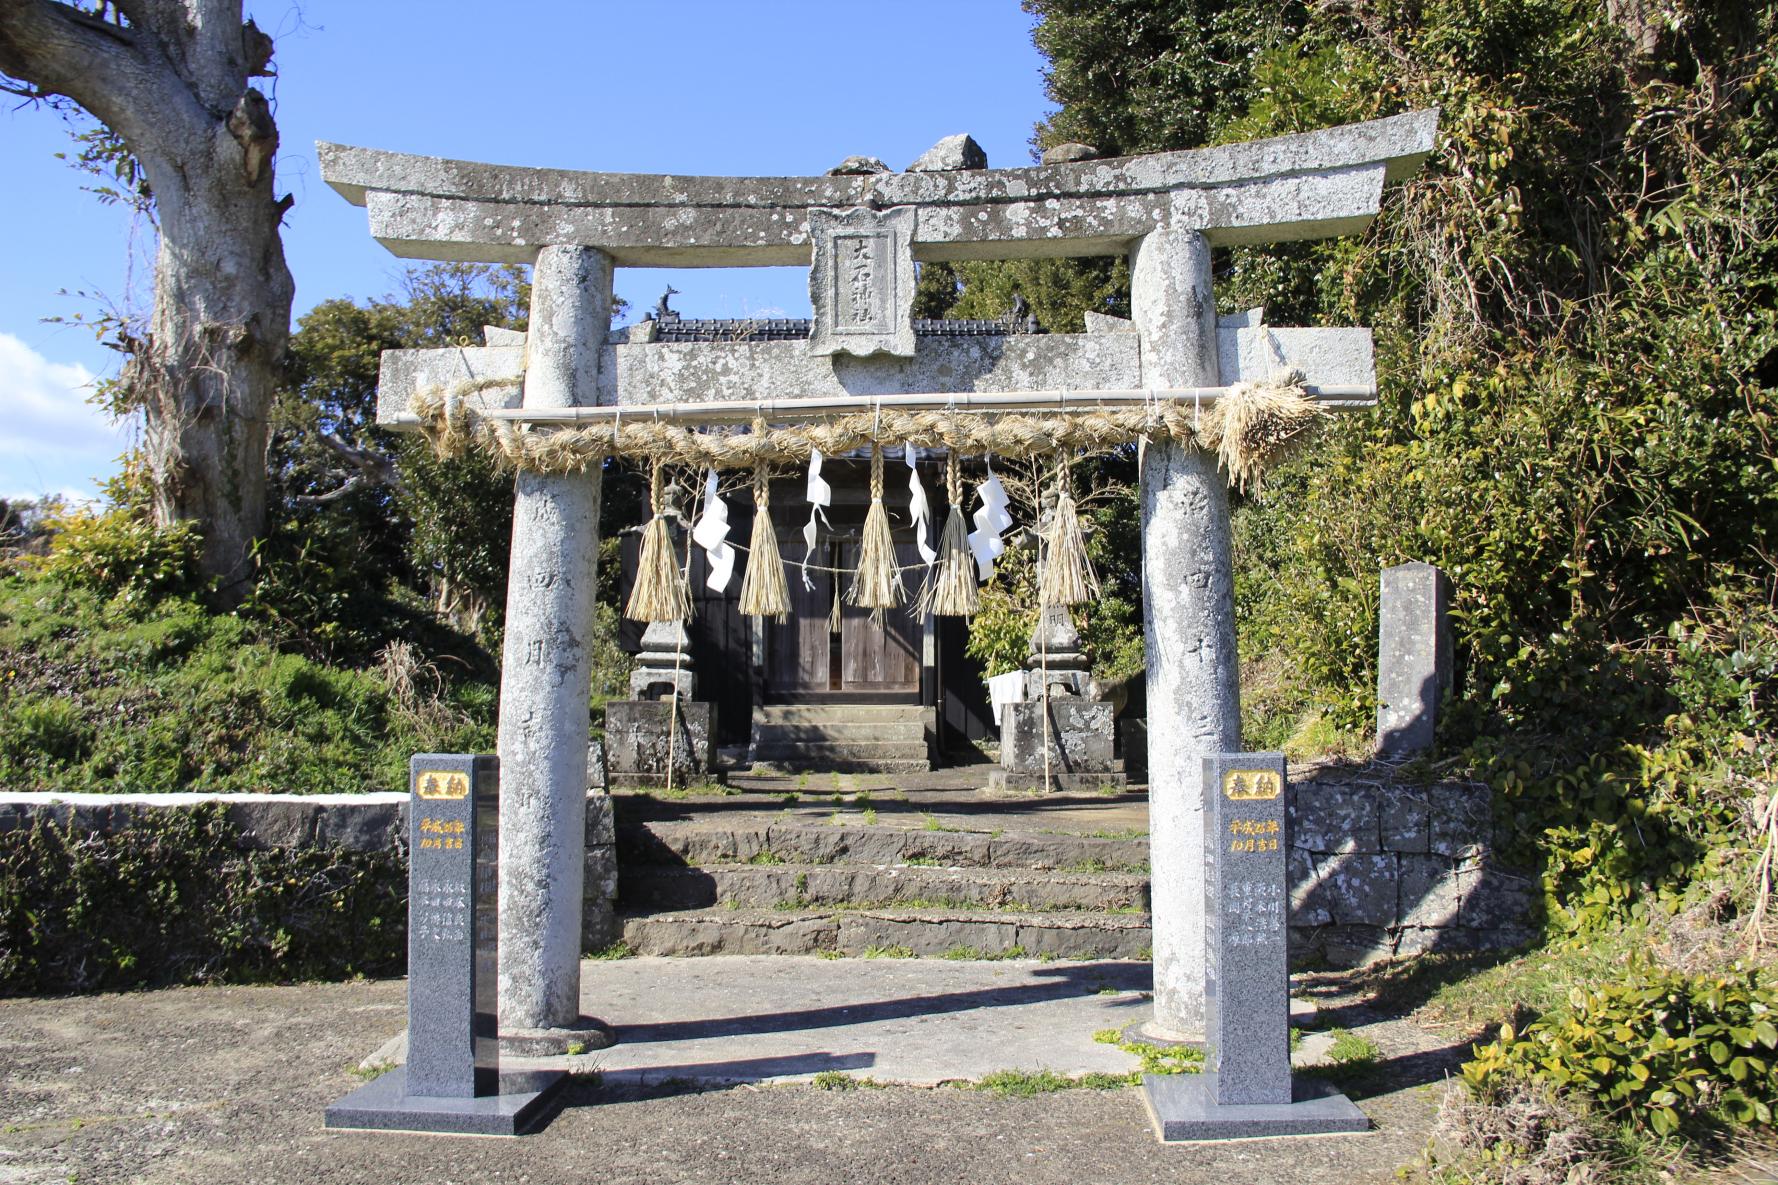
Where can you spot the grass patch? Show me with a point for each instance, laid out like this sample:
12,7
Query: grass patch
1351,1049
870,816
1024,1084
840,1080
617,950
703,789
974,953
888,952
765,856
1156,1059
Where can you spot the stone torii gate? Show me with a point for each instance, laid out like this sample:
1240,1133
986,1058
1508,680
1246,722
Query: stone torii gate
861,236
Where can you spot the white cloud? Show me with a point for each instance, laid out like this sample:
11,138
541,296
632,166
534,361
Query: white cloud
51,439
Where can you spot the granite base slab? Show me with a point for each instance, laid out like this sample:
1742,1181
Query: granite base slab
525,1099
1182,1109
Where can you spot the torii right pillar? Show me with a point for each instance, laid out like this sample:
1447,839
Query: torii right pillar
1188,617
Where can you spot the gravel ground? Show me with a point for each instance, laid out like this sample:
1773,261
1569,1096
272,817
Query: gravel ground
228,1085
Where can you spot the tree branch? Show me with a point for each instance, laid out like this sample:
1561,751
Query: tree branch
372,466
105,68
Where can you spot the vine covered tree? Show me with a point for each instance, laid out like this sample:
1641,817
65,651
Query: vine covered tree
171,83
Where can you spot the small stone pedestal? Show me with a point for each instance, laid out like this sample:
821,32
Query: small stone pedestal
1246,1089
452,1081
1080,756
636,743
1078,732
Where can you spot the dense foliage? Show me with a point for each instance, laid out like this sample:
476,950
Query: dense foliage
1576,315
102,694
176,898
1660,1049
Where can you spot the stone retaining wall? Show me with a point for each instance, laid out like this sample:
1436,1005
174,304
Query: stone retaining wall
356,822
1379,869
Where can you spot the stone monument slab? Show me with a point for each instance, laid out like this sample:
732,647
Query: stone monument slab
452,1081
636,742
1247,1088
861,282
1413,657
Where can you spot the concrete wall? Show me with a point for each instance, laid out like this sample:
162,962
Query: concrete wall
357,822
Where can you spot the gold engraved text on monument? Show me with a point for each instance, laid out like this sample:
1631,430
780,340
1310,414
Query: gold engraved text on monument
442,783
1247,785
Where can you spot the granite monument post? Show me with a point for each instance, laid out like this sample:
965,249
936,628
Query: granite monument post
1246,1088
451,1082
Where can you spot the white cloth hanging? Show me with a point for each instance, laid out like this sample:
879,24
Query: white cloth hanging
919,509
991,521
1003,690
820,496
710,532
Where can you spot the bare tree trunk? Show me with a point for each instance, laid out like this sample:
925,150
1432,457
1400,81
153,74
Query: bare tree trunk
169,78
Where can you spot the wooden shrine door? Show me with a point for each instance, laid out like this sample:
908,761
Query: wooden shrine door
867,659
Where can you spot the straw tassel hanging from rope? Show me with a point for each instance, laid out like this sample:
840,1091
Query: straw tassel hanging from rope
763,589
661,593
951,589
877,583
1067,577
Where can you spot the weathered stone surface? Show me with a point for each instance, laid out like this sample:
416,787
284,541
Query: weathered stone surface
858,166
546,671
1188,612
1431,894
1406,817
1069,153
1308,900
951,153
1331,817
1359,888
1413,657
861,282
595,766
601,827
1354,946
1077,738
1462,818
1304,186
637,741
1496,898
494,335
673,372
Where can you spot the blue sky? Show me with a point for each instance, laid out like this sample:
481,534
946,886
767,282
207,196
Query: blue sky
692,86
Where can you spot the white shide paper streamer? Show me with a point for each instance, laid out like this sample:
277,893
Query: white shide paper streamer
711,534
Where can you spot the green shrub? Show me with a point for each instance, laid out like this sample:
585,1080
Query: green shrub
100,695
119,553
1659,1050
174,898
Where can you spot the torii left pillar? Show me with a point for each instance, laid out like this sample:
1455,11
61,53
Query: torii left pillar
546,674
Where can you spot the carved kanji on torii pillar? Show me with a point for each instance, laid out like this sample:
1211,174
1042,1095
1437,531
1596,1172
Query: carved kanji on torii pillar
860,236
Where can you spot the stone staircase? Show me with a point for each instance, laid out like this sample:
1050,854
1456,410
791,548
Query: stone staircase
801,886
843,738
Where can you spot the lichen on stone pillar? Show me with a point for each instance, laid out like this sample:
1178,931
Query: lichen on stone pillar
1188,615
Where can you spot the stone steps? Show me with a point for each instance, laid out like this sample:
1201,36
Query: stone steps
812,886
757,883
926,933
854,713
843,738
699,844
822,755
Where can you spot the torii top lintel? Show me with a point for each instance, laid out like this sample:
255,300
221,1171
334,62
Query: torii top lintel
1313,185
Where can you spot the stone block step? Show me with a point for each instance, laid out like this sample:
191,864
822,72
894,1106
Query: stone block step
840,731
811,886
843,765
922,932
704,844
817,754
839,713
